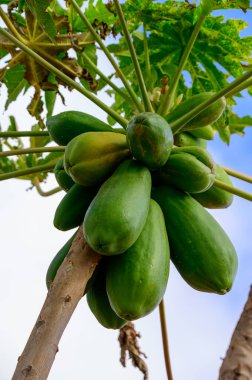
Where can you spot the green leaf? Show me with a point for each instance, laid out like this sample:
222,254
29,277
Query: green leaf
50,99
237,124
45,20
15,82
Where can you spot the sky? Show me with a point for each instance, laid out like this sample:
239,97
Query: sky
200,325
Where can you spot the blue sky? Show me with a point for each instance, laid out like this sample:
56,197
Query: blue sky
200,324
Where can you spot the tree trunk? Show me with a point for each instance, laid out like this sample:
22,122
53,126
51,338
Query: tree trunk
238,361
62,298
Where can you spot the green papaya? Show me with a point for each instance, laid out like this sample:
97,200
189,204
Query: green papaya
63,179
206,132
187,139
98,301
215,197
200,249
137,279
150,139
66,125
116,216
91,157
57,261
190,168
204,118
71,210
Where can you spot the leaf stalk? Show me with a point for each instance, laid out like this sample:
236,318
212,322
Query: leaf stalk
144,93
108,55
168,99
17,152
233,190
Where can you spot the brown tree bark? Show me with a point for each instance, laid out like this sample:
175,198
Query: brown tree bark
238,361
65,293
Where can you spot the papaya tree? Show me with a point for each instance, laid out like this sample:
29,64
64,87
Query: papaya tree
131,174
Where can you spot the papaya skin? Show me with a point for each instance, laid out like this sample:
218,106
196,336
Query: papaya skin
150,139
63,179
98,301
91,157
209,116
200,249
137,279
64,126
187,139
118,212
214,197
71,210
191,169
58,260
206,132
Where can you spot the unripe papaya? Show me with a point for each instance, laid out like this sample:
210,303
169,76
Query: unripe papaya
63,179
187,139
116,216
206,132
66,125
71,210
57,261
200,249
150,139
215,197
191,169
209,116
137,279
98,301
91,157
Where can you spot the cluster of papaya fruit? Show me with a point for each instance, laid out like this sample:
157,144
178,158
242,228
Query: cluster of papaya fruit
141,195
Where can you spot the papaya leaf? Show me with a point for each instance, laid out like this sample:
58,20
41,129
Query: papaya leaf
237,124
15,81
38,9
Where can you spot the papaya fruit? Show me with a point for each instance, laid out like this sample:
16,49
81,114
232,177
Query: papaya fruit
214,197
187,139
64,126
136,280
98,301
206,133
57,261
209,116
189,168
116,216
200,249
71,210
150,139
63,179
91,157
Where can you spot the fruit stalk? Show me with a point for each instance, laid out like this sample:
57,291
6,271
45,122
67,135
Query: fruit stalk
62,298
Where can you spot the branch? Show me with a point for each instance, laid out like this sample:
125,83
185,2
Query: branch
63,296
238,361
